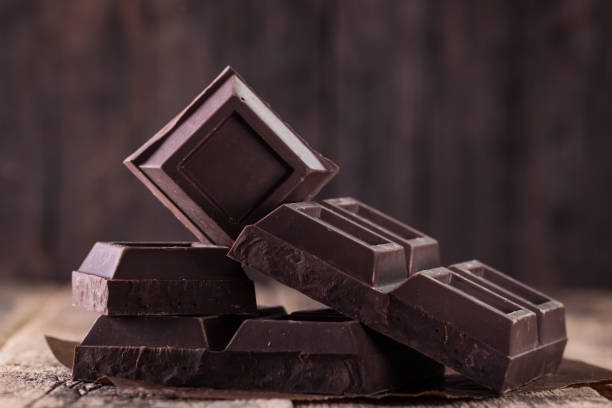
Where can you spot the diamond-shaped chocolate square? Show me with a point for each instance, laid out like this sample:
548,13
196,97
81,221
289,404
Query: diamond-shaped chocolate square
227,160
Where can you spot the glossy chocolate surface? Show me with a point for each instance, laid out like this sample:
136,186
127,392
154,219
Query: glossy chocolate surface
227,160
550,312
482,332
147,278
421,251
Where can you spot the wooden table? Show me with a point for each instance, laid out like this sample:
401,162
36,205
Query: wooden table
31,377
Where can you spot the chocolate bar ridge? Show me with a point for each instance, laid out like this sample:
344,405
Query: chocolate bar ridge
265,162
422,251
374,258
449,318
274,352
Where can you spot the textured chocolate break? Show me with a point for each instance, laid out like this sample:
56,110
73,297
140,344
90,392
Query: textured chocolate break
485,334
314,352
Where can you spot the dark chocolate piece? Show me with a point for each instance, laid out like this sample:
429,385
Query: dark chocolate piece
550,312
129,278
314,352
227,160
422,251
454,320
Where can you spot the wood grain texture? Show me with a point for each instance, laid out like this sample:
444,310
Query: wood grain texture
31,377
589,326
484,123
578,397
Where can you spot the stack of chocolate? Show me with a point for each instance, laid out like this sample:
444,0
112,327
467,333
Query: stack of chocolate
241,180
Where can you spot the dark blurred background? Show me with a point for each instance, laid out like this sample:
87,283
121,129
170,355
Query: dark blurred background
483,123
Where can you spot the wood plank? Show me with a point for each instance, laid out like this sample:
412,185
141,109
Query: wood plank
549,177
17,304
30,376
594,196
462,118
25,171
381,99
589,326
570,397
96,396
28,370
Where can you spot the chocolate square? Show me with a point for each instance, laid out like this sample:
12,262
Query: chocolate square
242,151
227,160
161,278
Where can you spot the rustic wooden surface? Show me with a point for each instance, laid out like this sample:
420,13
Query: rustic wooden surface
485,123
31,377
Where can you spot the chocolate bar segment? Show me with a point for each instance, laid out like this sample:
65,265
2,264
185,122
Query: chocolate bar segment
123,279
227,160
485,335
160,260
315,352
550,312
452,319
422,251
372,258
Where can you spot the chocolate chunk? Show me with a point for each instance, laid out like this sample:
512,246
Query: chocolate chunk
131,278
314,352
422,252
482,333
335,238
227,160
551,313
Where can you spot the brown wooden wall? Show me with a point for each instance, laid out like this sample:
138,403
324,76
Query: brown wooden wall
484,123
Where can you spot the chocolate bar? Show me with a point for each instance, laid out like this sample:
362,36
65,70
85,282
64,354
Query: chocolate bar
182,278
479,331
227,160
421,251
550,312
318,352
